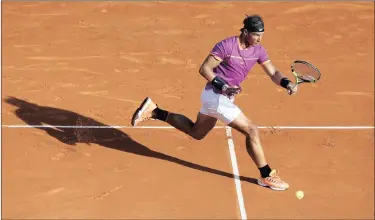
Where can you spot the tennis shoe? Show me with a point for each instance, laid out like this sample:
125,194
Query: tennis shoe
144,112
273,181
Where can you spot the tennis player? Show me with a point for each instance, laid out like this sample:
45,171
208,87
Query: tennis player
225,68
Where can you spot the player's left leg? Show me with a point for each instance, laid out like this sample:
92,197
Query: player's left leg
198,129
269,177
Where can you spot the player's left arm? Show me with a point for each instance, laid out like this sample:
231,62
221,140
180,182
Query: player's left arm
276,76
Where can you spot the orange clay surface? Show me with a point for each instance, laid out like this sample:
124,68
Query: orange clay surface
93,63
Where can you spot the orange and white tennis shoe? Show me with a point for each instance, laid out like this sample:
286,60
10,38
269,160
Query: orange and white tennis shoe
273,181
144,112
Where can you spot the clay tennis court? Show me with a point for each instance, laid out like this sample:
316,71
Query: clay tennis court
92,63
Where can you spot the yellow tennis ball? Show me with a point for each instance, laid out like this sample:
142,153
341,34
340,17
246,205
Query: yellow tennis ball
300,194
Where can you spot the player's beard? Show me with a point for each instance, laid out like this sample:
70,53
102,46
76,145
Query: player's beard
249,42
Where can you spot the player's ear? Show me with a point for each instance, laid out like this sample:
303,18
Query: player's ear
245,32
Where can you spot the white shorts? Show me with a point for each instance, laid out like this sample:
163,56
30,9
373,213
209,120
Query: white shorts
218,106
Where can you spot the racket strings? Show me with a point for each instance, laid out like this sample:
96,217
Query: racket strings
306,72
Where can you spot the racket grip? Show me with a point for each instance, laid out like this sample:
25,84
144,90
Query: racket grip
294,86
293,89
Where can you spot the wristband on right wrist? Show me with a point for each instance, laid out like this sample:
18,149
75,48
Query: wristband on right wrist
219,83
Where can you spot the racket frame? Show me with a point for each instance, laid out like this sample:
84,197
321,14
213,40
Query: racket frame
298,79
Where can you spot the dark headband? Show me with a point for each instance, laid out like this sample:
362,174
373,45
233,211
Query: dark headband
255,29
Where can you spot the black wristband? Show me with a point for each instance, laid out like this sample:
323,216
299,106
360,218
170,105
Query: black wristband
284,82
218,83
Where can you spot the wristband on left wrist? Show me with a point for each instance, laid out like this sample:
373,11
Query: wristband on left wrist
284,82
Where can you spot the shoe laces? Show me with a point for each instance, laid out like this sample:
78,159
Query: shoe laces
149,114
273,177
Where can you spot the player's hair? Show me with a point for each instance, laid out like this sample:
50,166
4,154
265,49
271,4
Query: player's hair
253,23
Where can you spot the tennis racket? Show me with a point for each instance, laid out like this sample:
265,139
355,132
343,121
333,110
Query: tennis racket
305,72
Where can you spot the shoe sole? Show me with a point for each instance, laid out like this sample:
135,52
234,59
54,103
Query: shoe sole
140,110
271,187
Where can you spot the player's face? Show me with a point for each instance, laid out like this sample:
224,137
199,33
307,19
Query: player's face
254,38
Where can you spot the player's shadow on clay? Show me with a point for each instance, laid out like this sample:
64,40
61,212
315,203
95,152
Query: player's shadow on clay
34,114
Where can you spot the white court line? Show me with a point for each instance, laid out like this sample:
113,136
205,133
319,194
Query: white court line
236,173
230,143
216,127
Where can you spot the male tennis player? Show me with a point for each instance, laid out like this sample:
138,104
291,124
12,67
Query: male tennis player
225,68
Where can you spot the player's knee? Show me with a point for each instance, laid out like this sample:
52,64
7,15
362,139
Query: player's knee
251,130
197,136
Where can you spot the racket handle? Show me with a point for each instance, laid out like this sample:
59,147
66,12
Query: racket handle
293,89
294,86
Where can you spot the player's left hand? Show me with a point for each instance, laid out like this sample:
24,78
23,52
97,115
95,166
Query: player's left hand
292,89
